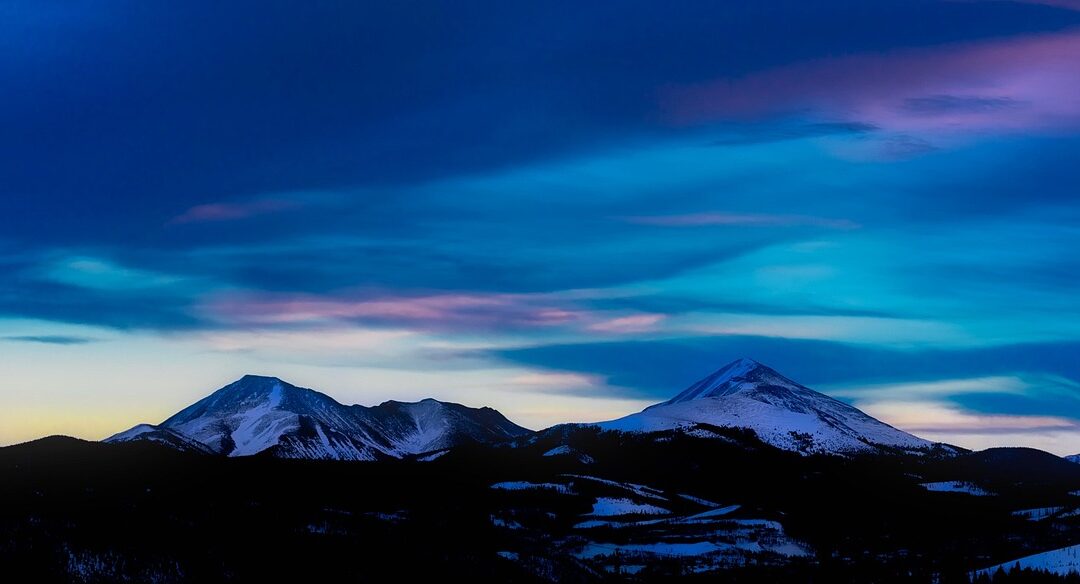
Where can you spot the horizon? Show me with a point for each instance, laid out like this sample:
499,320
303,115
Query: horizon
390,399
563,213
330,394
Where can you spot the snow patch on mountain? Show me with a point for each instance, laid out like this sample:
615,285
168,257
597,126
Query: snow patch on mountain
1061,561
565,450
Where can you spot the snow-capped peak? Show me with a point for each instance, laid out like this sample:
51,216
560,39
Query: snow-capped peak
258,414
782,412
739,375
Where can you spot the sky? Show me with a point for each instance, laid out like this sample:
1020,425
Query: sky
564,210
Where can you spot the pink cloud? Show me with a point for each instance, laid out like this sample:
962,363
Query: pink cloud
468,311
638,323
443,311
232,211
742,219
1030,83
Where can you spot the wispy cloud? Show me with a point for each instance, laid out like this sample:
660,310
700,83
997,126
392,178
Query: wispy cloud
931,389
212,212
637,323
932,417
568,313
850,329
1014,84
99,273
444,310
742,219
955,410
50,339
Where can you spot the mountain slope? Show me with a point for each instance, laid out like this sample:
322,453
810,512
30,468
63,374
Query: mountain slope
267,415
166,436
783,413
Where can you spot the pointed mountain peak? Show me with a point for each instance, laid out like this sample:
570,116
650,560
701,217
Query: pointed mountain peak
739,367
740,374
781,412
258,379
258,385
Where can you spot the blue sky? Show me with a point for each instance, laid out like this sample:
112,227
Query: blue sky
563,211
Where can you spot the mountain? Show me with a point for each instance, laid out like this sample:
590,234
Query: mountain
1072,458
267,415
1007,465
783,413
166,436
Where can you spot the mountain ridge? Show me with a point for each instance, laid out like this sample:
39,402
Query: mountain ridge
262,414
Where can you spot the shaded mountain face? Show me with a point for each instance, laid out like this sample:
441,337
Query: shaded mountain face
267,415
782,413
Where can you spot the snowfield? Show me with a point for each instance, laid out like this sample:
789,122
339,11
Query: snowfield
713,513
643,491
956,487
433,456
527,486
733,543
1038,514
1060,561
608,507
660,549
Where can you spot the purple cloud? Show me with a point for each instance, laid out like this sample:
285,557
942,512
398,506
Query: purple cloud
432,311
428,312
1012,85
232,211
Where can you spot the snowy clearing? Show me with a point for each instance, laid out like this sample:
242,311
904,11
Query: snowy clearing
639,490
956,487
609,507
527,486
567,451
433,456
713,513
1037,514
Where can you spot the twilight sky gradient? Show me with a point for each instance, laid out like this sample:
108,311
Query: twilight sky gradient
565,211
